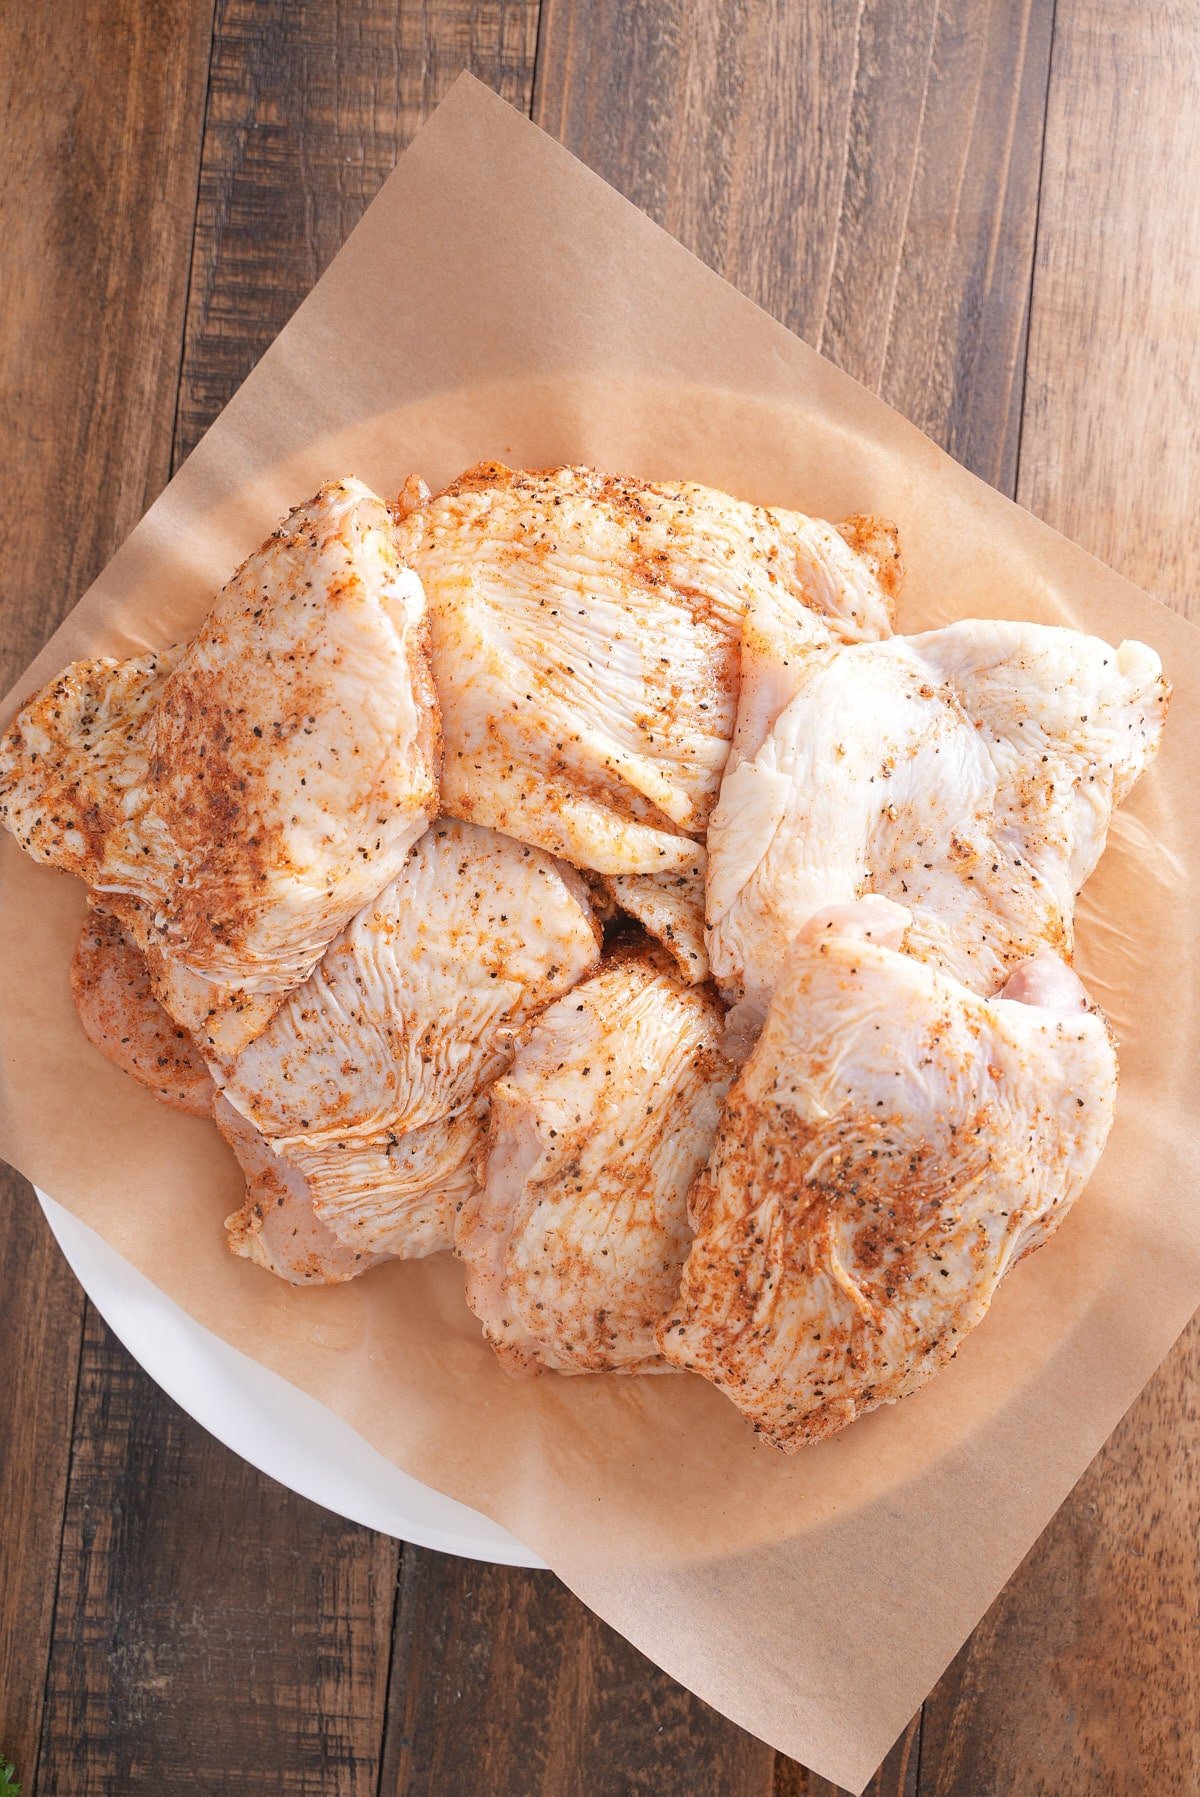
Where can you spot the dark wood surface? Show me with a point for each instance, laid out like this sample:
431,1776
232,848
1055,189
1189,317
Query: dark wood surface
989,213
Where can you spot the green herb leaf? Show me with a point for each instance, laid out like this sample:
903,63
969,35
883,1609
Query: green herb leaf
8,1779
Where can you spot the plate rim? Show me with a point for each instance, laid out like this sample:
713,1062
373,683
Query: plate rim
246,1388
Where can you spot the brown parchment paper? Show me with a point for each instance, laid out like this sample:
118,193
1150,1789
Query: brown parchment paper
498,300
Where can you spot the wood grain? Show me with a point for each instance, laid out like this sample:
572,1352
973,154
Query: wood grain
41,1321
952,355
100,160
100,163
212,1629
1109,451
310,104
866,172
504,1683
1085,1675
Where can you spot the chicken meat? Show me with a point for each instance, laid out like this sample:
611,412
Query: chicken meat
236,802
277,1227
669,907
121,1016
574,1244
370,1080
970,774
893,1145
586,641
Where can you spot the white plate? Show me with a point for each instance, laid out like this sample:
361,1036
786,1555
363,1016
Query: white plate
258,1415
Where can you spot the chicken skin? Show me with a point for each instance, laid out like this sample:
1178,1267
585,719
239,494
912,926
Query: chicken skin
278,1227
893,1145
369,1080
573,1247
586,640
236,802
669,907
121,1016
970,774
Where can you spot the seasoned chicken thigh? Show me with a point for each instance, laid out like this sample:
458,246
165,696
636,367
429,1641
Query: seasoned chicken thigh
894,1144
969,774
586,634
74,762
368,1080
669,907
237,801
120,1014
573,1247
278,1227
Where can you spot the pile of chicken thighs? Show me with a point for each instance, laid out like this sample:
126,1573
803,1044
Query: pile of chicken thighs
579,875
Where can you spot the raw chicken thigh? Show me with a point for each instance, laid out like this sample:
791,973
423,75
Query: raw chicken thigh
893,1145
573,1247
586,633
969,774
368,1080
278,1227
111,989
237,802
669,907
74,762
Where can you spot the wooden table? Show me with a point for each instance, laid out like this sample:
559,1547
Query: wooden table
988,212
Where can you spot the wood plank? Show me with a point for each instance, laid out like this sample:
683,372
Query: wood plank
504,1683
869,174
952,356
100,160
101,156
1109,450
1085,1675
209,1623
212,1629
309,107
41,1322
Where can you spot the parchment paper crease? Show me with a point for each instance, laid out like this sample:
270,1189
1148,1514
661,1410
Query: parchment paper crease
499,300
